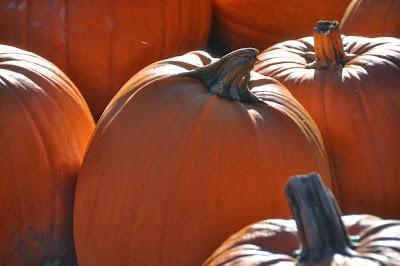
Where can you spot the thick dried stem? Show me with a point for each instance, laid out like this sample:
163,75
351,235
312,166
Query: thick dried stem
328,46
229,76
318,218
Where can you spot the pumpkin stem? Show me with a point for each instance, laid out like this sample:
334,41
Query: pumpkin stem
328,46
320,229
229,77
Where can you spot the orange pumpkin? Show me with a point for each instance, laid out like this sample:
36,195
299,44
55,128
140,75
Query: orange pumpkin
262,23
351,89
372,18
179,161
45,126
321,237
101,45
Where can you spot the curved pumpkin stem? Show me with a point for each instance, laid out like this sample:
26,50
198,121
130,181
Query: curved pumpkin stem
229,77
320,228
328,45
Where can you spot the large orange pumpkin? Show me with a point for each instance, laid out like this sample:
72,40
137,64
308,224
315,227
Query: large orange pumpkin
372,18
101,44
179,162
45,126
262,23
321,238
352,91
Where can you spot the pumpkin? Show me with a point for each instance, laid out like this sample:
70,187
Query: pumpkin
262,23
100,46
350,87
317,236
372,18
178,162
45,126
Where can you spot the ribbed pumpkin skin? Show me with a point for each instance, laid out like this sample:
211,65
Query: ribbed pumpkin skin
262,23
45,126
171,169
357,110
275,241
100,46
372,18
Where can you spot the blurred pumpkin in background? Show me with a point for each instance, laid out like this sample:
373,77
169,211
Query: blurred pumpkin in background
372,18
262,23
101,44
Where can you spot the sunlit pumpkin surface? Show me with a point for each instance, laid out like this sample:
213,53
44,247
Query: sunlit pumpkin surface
172,170
357,109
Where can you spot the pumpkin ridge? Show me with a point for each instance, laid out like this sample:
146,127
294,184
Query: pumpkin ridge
26,253
49,233
65,40
363,89
35,60
15,181
328,145
111,34
202,117
34,76
290,107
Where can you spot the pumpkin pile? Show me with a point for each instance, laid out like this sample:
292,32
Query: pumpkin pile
161,151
